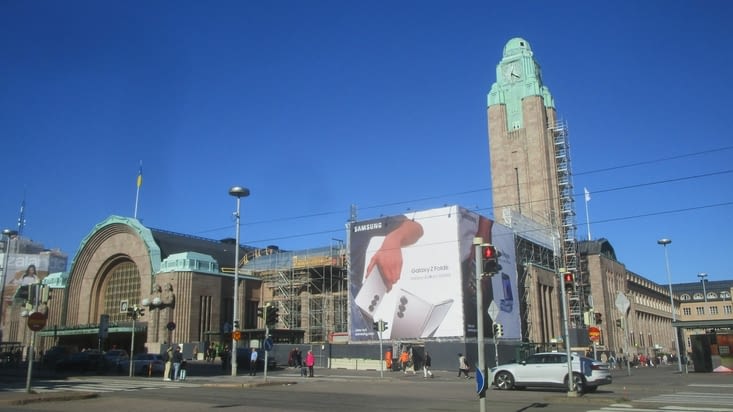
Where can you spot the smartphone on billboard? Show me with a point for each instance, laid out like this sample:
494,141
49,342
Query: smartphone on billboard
371,294
507,303
415,317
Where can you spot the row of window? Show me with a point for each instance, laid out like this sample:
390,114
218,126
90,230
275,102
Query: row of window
700,296
727,309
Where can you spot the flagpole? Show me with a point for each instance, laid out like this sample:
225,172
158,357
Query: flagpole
139,183
587,218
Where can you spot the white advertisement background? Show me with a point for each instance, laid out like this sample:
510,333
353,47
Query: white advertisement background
430,269
502,238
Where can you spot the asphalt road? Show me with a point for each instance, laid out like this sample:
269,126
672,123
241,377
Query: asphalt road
208,389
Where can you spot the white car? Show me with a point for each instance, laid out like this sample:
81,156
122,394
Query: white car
550,369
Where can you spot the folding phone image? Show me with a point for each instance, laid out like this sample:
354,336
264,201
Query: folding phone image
415,317
371,294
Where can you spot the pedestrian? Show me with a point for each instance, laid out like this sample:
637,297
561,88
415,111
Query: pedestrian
168,363
253,362
463,366
298,358
310,361
182,375
426,366
177,359
224,357
404,359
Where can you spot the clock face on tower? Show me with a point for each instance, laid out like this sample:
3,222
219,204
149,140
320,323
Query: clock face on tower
512,71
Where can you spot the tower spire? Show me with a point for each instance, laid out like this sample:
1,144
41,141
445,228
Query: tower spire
21,216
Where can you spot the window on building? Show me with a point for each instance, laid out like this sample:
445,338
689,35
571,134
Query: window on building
727,309
713,310
725,295
712,295
700,310
687,311
698,296
685,296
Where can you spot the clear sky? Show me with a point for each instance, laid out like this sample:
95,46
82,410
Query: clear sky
316,106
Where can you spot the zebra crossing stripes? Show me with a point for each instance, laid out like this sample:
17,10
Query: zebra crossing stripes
104,386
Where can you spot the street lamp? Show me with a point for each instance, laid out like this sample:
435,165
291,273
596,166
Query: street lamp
664,242
7,233
239,192
703,278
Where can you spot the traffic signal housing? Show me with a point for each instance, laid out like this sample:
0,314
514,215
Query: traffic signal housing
498,330
380,326
569,279
261,313
490,259
619,324
272,315
598,318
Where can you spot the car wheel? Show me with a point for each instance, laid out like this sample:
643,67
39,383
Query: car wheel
504,380
578,382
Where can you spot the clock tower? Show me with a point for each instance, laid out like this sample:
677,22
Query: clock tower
522,147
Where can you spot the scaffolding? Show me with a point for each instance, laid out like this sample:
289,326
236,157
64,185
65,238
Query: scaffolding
567,225
308,286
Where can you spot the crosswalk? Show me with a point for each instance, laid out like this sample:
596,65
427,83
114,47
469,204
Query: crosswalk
677,402
103,386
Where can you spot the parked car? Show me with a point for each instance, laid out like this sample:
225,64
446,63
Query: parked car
55,354
86,361
243,356
550,369
144,364
114,357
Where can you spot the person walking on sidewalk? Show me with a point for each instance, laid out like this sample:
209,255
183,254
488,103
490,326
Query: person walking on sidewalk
426,366
253,362
462,366
310,361
168,363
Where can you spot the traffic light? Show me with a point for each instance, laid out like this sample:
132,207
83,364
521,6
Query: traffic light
236,324
272,315
569,280
261,313
498,330
599,318
490,259
380,326
619,324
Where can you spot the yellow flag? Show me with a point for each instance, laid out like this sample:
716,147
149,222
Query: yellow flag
140,177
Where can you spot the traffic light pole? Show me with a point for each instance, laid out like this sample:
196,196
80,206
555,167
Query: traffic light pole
478,256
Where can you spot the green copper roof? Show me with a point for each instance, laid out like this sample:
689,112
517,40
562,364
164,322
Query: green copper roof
136,226
189,261
518,75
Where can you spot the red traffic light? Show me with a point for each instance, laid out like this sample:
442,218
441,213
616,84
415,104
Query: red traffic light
489,252
568,277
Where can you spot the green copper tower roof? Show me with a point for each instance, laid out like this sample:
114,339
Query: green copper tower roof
518,75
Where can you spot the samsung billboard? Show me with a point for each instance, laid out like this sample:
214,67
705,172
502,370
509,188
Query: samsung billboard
417,273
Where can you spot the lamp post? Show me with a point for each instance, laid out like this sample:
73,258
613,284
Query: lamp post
7,233
239,192
703,278
664,242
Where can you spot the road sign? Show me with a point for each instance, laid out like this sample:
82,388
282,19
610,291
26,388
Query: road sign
236,335
480,382
171,325
594,334
493,310
36,321
268,344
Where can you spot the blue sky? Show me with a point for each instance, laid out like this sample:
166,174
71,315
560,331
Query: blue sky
316,106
